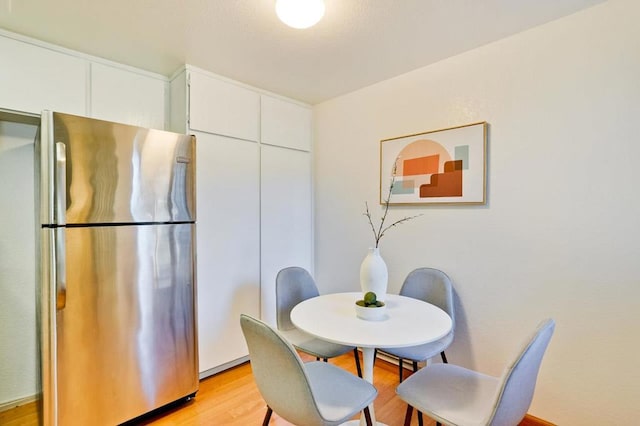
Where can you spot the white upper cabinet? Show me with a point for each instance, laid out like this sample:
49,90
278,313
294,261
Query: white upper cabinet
127,97
33,78
223,108
178,105
285,124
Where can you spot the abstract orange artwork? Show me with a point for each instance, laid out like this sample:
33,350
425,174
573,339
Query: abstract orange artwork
437,167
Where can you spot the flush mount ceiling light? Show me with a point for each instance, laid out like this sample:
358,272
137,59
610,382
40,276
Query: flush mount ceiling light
300,13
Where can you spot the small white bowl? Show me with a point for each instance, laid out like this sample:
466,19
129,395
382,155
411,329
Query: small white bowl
371,314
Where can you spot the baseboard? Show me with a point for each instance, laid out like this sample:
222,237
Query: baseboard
407,365
215,370
530,420
393,360
17,402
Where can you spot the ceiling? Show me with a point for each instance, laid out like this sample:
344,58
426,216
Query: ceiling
357,43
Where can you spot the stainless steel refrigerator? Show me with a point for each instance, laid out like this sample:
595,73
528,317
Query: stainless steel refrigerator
117,239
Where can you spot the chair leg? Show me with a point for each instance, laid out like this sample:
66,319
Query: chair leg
438,424
357,357
420,421
317,358
400,369
367,416
267,416
325,359
444,357
415,366
407,417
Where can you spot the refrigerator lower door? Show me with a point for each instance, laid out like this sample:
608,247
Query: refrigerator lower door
126,338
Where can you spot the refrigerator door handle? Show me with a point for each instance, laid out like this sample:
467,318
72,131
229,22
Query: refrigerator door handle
61,219
61,269
61,184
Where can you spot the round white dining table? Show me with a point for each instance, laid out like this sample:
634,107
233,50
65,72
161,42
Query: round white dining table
407,322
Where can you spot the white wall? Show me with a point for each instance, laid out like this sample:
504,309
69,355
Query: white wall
18,356
559,236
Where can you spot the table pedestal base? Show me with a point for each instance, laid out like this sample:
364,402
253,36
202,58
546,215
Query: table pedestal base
368,362
361,422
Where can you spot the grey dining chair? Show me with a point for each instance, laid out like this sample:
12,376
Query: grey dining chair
432,286
294,285
311,394
454,395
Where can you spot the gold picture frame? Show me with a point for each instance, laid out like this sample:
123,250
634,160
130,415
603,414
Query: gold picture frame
446,166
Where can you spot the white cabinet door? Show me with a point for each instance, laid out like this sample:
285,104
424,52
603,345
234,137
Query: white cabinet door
223,108
285,123
178,103
228,244
127,97
33,78
286,218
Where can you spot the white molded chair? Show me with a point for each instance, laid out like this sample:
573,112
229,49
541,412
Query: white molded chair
432,286
294,285
311,394
454,395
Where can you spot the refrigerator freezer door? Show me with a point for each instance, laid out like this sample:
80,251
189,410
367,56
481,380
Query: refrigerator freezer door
127,333
117,173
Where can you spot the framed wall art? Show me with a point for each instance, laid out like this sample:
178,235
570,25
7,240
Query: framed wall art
446,166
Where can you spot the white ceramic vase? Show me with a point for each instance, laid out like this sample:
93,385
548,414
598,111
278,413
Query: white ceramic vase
374,275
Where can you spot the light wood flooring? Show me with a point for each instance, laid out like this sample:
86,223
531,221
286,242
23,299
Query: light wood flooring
231,398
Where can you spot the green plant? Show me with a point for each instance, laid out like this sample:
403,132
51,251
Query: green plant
370,301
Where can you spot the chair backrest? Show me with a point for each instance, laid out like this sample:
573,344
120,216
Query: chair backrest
293,285
279,373
519,378
432,286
